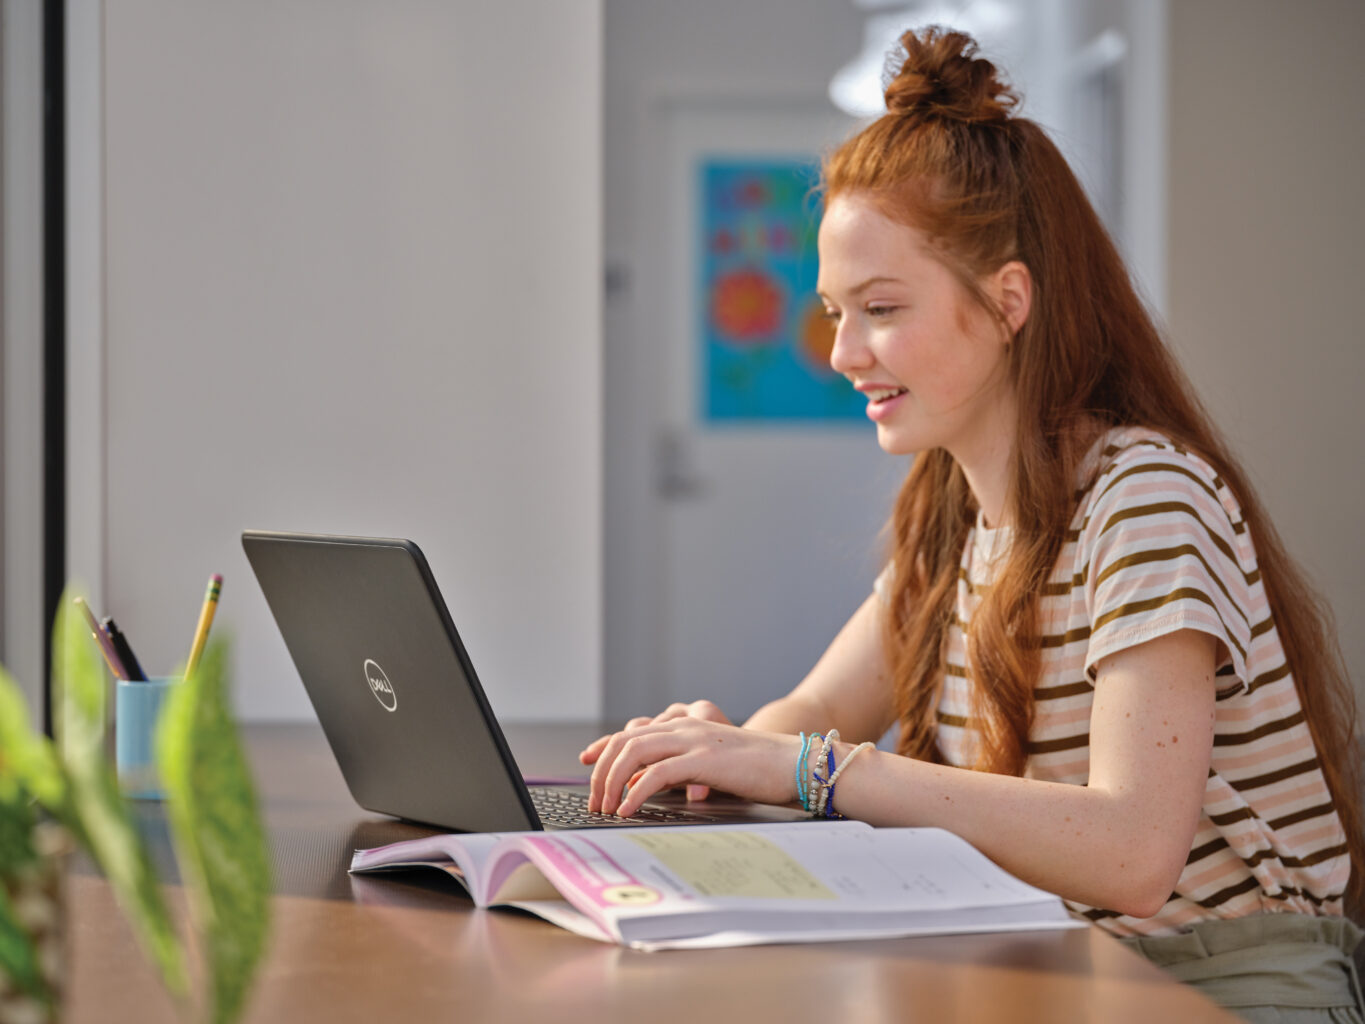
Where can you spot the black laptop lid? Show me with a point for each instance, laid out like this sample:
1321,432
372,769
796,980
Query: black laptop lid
390,680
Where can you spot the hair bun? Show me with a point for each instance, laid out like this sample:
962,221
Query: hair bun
935,72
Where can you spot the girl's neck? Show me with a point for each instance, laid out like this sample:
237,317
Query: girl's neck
987,461
991,490
989,468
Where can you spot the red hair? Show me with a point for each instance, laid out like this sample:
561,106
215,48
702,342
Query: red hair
985,187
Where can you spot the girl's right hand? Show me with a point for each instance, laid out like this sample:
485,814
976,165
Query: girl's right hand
703,709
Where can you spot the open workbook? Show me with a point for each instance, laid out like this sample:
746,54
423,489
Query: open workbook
701,886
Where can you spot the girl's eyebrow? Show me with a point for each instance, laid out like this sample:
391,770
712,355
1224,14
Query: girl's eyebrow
859,289
864,286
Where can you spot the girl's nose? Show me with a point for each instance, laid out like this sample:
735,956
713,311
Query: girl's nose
850,353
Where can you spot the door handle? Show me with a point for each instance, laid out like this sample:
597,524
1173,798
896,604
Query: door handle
675,475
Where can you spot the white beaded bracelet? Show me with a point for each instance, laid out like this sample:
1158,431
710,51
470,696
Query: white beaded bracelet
827,792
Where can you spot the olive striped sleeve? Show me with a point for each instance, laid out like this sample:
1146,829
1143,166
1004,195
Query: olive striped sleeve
1162,555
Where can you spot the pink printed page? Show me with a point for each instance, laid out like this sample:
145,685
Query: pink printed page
613,874
579,861
586,876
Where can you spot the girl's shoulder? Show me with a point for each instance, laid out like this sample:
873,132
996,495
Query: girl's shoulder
1123,447
1128,459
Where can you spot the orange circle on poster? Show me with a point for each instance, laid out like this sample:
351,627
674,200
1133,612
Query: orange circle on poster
817,336
746,306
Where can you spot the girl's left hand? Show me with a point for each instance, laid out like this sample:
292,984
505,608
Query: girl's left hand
658,755
703,709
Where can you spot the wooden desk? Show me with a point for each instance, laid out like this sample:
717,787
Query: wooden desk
349,949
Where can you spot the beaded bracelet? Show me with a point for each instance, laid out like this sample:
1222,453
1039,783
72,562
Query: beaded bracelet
820,783
817,772
802,791
830,812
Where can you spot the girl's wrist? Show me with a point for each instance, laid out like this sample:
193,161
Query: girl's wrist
820,764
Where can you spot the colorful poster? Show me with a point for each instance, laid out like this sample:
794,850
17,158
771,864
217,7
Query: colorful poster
765,341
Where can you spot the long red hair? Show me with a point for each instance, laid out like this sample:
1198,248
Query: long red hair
985,187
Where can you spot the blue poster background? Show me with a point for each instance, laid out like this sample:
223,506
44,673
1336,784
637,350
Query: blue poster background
765,342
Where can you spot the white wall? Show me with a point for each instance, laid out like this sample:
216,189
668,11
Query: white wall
1266,221
352,285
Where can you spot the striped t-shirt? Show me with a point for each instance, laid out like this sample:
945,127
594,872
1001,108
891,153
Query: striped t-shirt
1158,545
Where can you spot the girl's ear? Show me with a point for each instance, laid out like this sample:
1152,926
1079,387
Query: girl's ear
1012,289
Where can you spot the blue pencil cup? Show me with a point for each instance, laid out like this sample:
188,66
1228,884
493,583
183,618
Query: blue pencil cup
137,706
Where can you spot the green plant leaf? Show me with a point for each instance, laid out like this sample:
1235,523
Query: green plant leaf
106,824
18,957
216,826
28,756
18,860
27,765
17,822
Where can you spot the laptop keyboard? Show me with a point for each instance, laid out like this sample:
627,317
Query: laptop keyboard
569,809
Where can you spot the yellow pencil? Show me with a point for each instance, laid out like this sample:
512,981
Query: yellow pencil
201,633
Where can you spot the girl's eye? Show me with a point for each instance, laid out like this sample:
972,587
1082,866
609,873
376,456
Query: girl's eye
832,315
880,310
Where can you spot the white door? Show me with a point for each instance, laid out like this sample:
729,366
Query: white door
770,526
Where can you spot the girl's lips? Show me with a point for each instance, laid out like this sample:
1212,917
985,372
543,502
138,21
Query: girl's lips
880,410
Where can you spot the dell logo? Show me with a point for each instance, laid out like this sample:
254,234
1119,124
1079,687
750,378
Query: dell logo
380,686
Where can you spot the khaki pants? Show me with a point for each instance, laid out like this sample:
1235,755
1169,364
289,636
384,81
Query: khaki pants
1267,967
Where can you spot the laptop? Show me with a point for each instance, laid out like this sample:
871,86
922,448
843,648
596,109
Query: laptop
401,705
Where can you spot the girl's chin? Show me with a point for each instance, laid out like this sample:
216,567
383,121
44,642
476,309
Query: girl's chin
894,443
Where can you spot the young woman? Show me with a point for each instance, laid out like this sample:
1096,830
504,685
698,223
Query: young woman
1108,674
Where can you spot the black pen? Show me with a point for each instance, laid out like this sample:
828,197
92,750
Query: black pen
124,650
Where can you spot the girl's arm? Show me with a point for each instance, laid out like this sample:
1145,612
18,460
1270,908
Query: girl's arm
1119,842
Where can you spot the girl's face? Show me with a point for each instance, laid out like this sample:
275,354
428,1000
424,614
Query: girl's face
931,361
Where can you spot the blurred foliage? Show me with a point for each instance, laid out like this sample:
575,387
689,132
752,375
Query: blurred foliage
216,825
219,841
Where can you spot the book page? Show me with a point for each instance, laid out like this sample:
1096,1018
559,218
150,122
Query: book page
611,873
733,863
698,886
912,868
654,870
463,856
